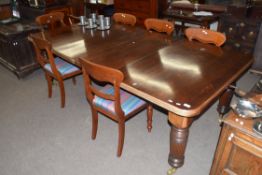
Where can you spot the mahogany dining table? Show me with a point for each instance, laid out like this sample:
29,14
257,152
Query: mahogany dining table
182,77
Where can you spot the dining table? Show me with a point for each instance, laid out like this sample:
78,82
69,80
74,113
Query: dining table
182,77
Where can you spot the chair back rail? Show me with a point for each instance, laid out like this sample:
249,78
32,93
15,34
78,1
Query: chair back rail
205,36
159,25
44,55
54,22
124,18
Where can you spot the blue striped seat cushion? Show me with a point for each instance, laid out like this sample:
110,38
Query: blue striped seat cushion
129,102
62,66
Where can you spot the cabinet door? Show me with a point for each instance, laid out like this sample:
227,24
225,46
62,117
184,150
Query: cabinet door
242,158
7,53
24,54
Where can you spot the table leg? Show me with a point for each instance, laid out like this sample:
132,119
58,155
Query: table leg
178,139
224,101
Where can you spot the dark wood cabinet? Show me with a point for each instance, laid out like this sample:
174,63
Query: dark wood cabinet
241,33
241,25
16,52
239,150
142,9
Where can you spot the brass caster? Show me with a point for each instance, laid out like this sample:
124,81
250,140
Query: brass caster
171,171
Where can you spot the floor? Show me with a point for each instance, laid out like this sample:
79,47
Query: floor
37,137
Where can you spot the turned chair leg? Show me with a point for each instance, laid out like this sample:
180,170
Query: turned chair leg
49,80
94,123
62,92
149,117
121,137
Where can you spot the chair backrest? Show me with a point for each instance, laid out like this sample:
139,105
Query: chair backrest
106,75
159,25
124,18
44,54
54,22
205,36
73,19
181,2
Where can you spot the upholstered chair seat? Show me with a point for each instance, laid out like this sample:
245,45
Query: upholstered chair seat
128,101
62,66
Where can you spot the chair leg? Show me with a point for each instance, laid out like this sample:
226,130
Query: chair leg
74,80
94,123
149,117
49,80
121,137
62,92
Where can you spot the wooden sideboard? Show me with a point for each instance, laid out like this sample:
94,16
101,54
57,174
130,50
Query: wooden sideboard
239,150
16,52
142,9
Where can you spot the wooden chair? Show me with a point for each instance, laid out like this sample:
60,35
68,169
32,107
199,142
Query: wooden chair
54,22
54,67
181,2
159,25
205,36
111,101
124,18
73,19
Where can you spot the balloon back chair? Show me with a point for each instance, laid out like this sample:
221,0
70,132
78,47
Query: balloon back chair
111,100
54,67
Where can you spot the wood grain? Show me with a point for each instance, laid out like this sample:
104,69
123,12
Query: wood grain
180,76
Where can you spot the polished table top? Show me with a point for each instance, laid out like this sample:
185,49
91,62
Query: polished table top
180,76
